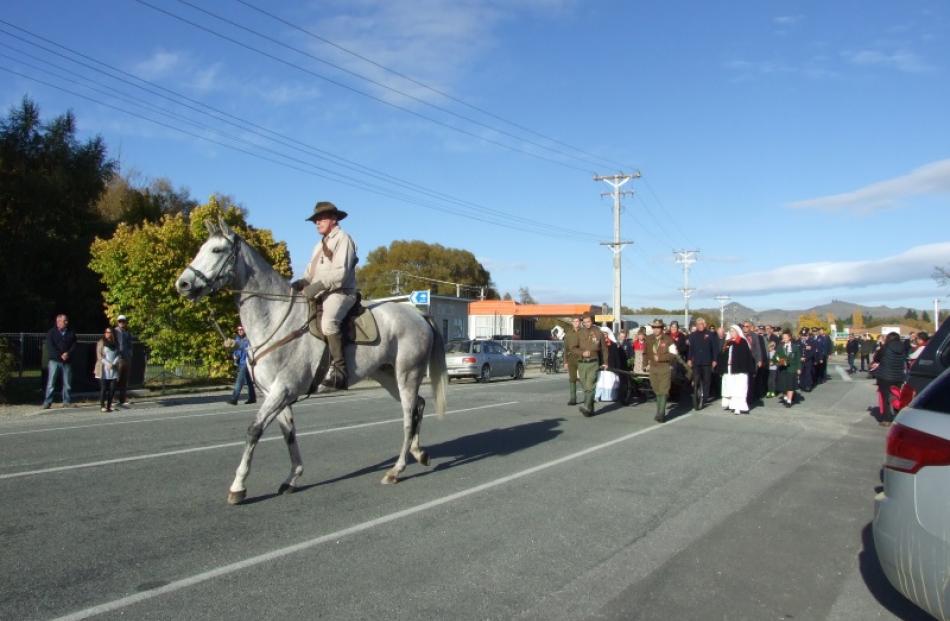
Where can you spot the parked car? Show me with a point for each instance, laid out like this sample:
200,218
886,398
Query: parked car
931,362
481,360
912,513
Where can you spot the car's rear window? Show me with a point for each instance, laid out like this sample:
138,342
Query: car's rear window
936,397
458,347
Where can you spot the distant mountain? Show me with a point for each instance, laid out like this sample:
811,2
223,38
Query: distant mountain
735,312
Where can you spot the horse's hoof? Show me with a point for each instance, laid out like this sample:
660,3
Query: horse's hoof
389,479
423,458
236,498
286,488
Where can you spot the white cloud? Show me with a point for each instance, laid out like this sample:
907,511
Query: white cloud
433,43
933,178
787,20
159,64
902,60
914,264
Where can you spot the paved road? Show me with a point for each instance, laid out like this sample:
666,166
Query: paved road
529,511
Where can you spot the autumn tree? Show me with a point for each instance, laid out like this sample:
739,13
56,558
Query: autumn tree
49,184
857,320
139,265
415,259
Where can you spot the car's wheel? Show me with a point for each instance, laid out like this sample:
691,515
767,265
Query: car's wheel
485,375
519,371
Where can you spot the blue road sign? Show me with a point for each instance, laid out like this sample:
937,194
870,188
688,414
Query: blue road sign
419,298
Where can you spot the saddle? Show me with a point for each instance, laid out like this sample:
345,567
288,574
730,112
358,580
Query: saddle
359,325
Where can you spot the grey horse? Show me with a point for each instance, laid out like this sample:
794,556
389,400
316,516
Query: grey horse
284,362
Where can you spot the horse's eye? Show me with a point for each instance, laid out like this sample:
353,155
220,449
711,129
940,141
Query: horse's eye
218,250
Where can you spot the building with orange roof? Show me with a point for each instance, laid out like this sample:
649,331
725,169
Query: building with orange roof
509,319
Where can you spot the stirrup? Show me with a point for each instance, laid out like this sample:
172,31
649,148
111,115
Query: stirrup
335,379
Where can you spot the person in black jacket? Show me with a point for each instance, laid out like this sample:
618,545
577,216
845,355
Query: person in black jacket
889,364
702,351
60,343
852,349
736,364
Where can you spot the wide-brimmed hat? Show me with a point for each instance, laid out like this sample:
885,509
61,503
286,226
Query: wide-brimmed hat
658,323
326,208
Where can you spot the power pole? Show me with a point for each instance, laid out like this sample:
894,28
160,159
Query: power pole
396,289
617,182
722,299
936,314
686,258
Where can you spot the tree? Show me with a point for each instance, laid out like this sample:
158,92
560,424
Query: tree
925,316
415,259
910,314
524,296
507,297
942,275
811,320
125,199
139,265
49,185
857,320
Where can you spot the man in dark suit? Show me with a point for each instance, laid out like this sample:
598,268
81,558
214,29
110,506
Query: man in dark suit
702,351
60,343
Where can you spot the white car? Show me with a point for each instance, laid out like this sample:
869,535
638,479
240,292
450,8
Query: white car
912,513
482,360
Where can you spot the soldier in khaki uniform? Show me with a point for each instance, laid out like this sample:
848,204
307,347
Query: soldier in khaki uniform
591,353
331,277
659,353
570,356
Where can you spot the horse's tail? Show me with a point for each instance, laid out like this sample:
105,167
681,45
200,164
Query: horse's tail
438,372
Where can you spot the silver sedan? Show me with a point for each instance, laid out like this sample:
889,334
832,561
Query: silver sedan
482,360
912,513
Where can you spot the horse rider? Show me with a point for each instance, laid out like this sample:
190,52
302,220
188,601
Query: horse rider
331,278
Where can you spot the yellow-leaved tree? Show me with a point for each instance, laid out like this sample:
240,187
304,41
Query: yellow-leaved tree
139,265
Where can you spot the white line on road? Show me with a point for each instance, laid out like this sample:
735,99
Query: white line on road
844,374
230,568
164,418
211,447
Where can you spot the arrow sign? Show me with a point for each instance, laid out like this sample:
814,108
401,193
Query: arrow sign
419,298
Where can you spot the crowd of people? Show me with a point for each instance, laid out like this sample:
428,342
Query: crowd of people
740,365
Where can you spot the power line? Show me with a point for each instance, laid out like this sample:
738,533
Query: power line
430,88
686,258
338,179
243,124
353,89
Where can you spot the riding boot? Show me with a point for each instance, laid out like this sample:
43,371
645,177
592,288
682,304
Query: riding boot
660,408
336,377
573,399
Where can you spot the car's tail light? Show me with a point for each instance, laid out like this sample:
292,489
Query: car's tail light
469,360
909,449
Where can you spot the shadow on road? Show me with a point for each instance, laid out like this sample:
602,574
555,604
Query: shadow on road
879,586
458,452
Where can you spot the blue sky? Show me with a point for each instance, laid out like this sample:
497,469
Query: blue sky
802,147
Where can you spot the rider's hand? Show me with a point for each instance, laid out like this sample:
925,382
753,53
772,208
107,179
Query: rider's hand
299,284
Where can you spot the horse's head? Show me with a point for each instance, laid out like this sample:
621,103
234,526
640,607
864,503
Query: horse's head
214,265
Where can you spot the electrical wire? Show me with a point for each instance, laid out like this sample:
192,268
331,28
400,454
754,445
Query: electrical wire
353,89
593,156
347,163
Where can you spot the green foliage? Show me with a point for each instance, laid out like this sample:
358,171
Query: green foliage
925,316
7,367
910,314
139,265
416,258
49,184
525,297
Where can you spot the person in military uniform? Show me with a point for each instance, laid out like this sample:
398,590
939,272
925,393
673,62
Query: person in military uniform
571,345
591,355
331,279
659,353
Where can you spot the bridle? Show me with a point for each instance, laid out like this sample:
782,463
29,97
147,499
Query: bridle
213,284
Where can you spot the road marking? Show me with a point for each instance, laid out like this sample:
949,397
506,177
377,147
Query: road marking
253,561
299,404
163,418
844,374
211,447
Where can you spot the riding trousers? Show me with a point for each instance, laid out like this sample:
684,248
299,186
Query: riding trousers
335,307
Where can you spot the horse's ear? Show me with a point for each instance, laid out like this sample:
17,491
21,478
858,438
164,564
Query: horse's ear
212,228
223,226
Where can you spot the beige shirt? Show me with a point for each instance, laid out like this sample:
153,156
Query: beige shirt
334,270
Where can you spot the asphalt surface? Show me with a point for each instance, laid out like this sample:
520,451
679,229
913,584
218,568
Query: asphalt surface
527,511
